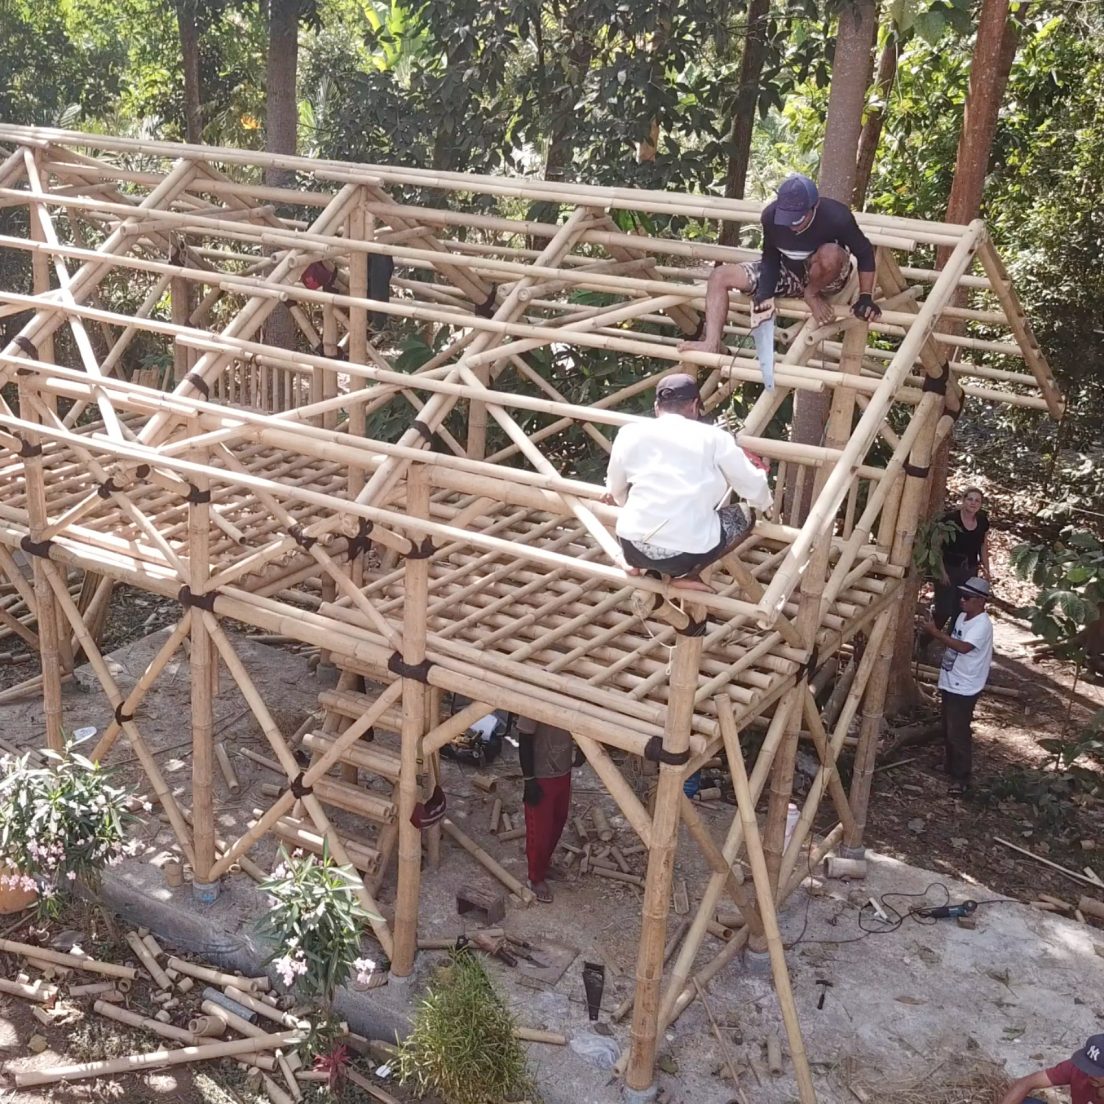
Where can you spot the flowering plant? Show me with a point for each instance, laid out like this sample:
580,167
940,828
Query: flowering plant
314,922
59,823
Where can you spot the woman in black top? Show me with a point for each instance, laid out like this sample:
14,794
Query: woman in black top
966,551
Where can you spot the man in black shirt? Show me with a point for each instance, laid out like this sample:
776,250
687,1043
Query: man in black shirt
808,243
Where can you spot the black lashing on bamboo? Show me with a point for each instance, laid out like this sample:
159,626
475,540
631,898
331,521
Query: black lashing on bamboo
201,601
27,449
199,383
417,671
299,535
107,488
196,497
299,788
361,541
121,717
421,551
656,753
36,548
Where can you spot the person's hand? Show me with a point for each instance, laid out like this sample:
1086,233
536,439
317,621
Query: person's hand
761,312
866,309
925,623
532,792
757,460
608,499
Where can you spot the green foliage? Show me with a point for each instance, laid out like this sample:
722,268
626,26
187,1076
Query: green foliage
462,1047
59,823
1069,575
314,923
927,549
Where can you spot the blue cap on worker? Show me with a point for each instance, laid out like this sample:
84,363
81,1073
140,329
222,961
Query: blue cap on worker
797,195
1090,1058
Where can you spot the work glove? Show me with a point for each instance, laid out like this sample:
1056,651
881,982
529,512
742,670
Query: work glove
532,792
866,309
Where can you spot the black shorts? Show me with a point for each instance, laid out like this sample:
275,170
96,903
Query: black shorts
735,523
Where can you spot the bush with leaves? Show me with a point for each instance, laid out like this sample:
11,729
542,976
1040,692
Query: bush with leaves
932,537
59,824
1069,574
462,1047
314,923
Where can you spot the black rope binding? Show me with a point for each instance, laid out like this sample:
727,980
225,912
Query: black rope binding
27,450
196,497
26,345
417,671
299,535
424,431
361,541
107,488
201,601
421,551
694,628
299,788
36,548
199,383
917,470
120,716
811,664
654,751
141,471
938,384
487,307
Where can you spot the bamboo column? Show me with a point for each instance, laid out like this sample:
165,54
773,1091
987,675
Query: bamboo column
45,605
201,667
765,890
640,1074
416,595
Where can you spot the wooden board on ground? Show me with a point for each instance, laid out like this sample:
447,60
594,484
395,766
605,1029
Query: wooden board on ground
556,958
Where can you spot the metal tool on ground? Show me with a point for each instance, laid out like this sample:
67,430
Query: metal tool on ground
594,982
825,985
944,912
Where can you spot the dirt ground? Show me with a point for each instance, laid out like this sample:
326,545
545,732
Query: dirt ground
1016,990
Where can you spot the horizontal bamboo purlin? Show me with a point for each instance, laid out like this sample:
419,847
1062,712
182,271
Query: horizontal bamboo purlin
440,528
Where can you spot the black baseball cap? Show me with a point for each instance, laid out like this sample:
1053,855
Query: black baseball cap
797,196
678,386
1090,1058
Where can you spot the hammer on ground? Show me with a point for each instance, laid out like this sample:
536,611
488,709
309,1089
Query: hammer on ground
824,987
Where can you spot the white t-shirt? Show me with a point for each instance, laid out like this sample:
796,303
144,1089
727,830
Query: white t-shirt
671,473
966,673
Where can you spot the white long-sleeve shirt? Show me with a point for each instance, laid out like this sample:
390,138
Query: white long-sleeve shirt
671,474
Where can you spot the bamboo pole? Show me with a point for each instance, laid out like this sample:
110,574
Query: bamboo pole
143,1023
765,890
60,958
640,1073
153,1059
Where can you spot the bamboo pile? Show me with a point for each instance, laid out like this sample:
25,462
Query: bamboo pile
429,530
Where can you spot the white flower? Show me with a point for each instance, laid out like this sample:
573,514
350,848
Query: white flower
71,875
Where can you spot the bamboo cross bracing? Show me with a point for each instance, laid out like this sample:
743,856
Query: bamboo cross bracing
431,516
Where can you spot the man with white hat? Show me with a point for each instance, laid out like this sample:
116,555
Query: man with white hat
963,675
1082,1072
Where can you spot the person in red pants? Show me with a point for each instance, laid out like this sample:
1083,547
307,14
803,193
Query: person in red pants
547,754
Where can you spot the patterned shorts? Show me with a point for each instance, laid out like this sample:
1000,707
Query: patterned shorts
791,284
735,523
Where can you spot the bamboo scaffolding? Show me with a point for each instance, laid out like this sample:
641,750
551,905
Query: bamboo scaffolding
257,483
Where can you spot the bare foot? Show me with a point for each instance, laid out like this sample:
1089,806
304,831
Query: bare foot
699,346
544,894
690,584
821,308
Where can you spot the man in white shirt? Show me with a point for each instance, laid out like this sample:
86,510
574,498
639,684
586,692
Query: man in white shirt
963,675
672,477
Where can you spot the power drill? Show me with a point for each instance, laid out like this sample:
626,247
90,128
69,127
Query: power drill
943,912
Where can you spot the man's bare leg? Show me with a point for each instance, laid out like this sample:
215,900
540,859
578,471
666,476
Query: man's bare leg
826,266
722,280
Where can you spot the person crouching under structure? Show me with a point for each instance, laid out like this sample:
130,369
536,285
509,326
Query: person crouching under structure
547,754
673,476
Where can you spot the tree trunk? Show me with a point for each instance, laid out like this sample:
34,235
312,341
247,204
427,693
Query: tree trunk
852,67
281,128
189,52
743,111
994,52
851,71
875,120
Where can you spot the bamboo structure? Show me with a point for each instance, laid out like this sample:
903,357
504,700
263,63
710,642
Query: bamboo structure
415,491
